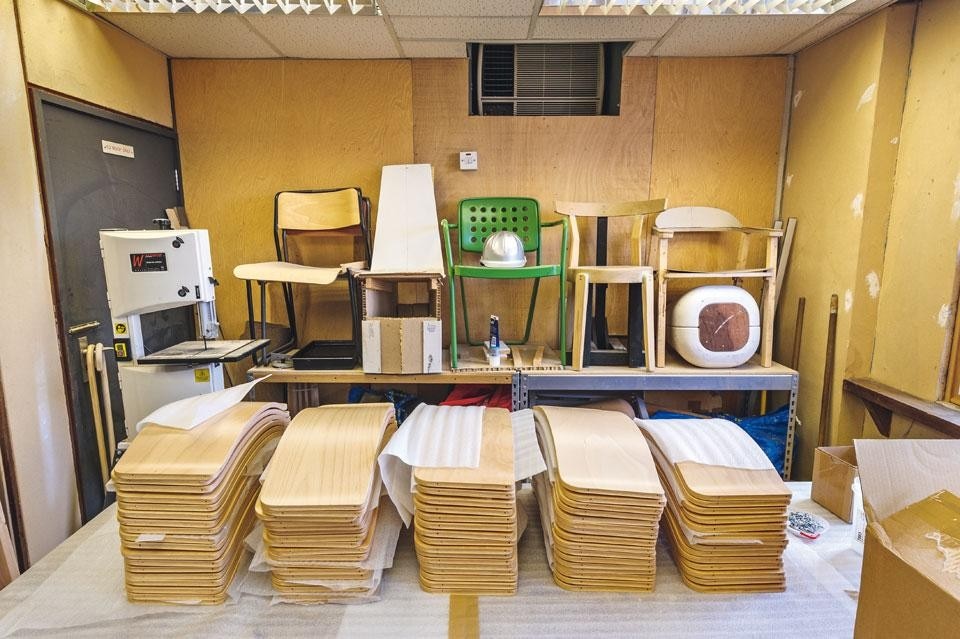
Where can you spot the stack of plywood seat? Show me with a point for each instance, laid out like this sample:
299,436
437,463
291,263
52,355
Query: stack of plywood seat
600,500
726,505
465,520
185,502
320,502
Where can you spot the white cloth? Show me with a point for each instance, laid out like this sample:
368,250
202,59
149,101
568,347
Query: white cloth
527,458
716,442
192,411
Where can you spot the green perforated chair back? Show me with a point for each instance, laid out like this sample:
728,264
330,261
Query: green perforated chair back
481,217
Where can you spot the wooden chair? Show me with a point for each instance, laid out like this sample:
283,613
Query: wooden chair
701,219
330,212
478,219
592,326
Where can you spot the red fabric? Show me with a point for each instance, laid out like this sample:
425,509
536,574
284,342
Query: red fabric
494,395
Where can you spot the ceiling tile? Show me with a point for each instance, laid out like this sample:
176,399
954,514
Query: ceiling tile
434,49
191,35
866,6
479,8
300,36
833,24
641,48
734,35
466,29
602,28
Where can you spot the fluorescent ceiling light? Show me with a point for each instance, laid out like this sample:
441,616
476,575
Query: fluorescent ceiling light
286,7
691,7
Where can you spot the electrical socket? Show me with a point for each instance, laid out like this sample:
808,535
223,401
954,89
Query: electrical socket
468,160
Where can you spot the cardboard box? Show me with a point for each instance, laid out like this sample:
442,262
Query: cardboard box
402,345
909,583
834,469
399,295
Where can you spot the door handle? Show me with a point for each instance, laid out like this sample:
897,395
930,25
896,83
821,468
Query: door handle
82,328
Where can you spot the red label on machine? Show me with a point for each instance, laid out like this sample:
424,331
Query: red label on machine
148,262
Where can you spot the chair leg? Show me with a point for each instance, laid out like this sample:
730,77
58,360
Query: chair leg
766,328
453,321
648,336
533,305
635,304
661,320
563,321
581,289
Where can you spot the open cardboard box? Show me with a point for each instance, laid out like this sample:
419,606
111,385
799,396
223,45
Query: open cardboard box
834,469
910,583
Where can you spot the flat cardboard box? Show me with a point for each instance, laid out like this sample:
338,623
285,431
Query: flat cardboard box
834,469
909,585
402,345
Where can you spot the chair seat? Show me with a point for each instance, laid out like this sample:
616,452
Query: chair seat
522,272
611,274
287,272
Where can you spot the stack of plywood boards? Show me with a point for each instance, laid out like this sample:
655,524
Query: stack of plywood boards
320,502
465,520
185,502
600,500
726,505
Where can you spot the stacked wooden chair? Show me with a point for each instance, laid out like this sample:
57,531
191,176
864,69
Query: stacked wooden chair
185,502
465,521
726,505
600,500
320,502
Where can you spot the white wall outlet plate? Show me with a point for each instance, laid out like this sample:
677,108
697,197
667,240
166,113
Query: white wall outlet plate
468,160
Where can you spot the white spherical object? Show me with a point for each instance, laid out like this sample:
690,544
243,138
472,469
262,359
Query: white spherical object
503,249
715,326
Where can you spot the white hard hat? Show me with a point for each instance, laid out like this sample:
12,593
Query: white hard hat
503,249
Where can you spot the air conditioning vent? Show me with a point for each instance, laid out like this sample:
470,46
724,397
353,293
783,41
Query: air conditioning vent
540,79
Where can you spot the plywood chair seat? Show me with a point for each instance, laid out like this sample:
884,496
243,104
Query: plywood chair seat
466,519
611,274
600,500
287,272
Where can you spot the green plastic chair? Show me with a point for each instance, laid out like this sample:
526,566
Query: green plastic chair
478,219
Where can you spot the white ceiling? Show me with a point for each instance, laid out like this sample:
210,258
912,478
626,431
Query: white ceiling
441,29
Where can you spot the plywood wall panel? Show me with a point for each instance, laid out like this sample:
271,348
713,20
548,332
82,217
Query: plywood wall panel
917,301
717,143
547,158
69,51
839,167
251,128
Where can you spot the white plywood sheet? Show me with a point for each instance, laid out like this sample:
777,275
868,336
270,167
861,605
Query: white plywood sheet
339,36
191,35
459,7
602,28
466,29
734,35
407,238
821,30
433,49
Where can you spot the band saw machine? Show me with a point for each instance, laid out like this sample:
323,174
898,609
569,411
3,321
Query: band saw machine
155,270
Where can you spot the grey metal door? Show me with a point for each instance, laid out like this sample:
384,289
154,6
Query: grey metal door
90,182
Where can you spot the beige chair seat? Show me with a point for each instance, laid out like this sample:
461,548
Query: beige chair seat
287,272
611,274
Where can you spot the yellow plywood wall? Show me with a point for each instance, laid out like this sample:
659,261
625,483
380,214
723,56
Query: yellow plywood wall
251,128
697,131
558,158
840,162
67,50
917,299
36,409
